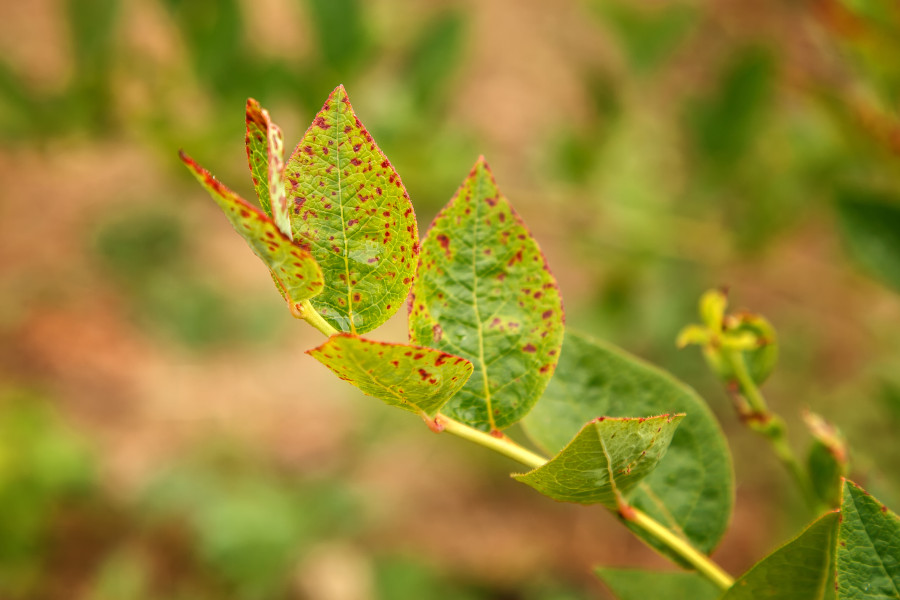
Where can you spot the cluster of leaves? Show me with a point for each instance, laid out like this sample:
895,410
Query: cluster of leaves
337,231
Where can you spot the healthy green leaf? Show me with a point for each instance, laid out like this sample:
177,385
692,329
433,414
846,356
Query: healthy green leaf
605,461
638,584
265,153
796,571
417,379
691,491
868,553
293,268
349,205
870,223
484,291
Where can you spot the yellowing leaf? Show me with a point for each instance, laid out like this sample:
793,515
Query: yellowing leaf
348,204
417,379
265,153
295,271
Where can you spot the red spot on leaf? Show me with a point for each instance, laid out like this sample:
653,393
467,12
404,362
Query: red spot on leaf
529,348
320,121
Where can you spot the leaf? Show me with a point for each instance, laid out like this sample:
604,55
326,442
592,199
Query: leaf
265,153
870,223
799,570
692,490
605,461
638,584
484,291
293,268
413,378
868,552
349,205
826,460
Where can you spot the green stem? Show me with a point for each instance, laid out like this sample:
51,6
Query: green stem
771,426
704,565
694,557
503,445
306,312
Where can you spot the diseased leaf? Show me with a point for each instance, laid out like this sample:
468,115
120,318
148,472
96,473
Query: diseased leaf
605,461
691,491
295,271
638,584
868,552
870,223
826,460
483,290
417,379
348,204
265,153
799,570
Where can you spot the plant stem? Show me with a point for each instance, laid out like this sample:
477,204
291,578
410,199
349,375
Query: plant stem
306,312
503,445
771,426
697,559
704,565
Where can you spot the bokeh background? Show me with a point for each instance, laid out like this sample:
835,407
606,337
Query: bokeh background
162,434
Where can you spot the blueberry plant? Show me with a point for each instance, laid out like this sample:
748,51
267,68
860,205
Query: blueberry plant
487,341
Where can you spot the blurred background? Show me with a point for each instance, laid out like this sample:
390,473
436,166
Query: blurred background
162,434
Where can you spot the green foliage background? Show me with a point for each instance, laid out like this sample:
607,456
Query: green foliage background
165,436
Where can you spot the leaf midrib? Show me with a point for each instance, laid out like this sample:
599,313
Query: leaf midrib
337,159
484,374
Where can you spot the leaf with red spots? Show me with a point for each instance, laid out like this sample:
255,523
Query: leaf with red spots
348,203
484,291
265,153
692,491
293,268
605,461
417,379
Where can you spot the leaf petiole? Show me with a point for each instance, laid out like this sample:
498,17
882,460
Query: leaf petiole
305,311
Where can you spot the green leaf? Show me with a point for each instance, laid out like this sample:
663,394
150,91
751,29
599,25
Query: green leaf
265,153
870,223
605,461
295,271
799,570
638,584
826,460
413,378
349,205
484,291
868,553
692,490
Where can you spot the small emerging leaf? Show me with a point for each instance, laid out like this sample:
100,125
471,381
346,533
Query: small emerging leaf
827,459
868,555
799,570
605,461
484,291
348,203
638,584
265,153
293,268
417,379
